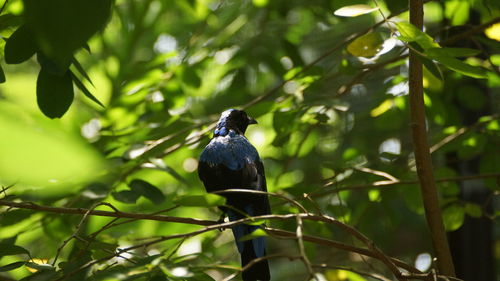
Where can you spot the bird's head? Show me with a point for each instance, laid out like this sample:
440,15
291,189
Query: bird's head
233,119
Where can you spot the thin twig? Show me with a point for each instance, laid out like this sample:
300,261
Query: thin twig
382,184
371,275
302,250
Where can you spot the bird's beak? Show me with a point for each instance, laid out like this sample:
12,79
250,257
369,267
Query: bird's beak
251,121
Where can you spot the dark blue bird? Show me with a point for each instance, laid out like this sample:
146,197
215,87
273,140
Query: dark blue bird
229,161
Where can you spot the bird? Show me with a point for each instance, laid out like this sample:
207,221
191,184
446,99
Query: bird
230,161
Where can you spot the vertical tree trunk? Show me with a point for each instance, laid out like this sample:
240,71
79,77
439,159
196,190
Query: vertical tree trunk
422,154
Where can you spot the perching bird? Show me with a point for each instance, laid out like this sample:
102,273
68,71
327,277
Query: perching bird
230,162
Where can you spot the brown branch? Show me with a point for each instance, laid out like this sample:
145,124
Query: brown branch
470,32
422,153
372,250
382,184
116,214
341,246
371,275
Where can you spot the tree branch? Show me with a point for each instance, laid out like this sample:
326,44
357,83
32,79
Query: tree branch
422,153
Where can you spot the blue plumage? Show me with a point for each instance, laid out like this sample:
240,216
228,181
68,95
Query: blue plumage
231,150
230,161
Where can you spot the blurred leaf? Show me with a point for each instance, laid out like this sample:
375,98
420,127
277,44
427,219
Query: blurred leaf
9,240
457,11
14,216
147,190
190,77
42,275
367,45
61,26
54,93
9,250
452,52
259,232
453,217
382,108
126,196
205,200
473,210
354,10
489,164
11,266
20,46
471,97
52,155
461,67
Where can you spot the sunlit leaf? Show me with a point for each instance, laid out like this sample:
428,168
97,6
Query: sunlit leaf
451,52
453,217
462,67
259,232
35,265
205,200
367,45
354,10
410,33
382,108
493,32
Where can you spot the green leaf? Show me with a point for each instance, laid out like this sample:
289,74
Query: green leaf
126,196
79,84
11,266
453,217
205,200
432,67
9,250
147,190
473,210
259,232
354,10
20,46
451,52
81,70
61,27
54,93
410,33
463,68
367,45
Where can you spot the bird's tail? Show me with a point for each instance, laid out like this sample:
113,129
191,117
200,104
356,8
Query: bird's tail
250,250
258,270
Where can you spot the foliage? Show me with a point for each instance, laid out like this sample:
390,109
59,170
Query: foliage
327,82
